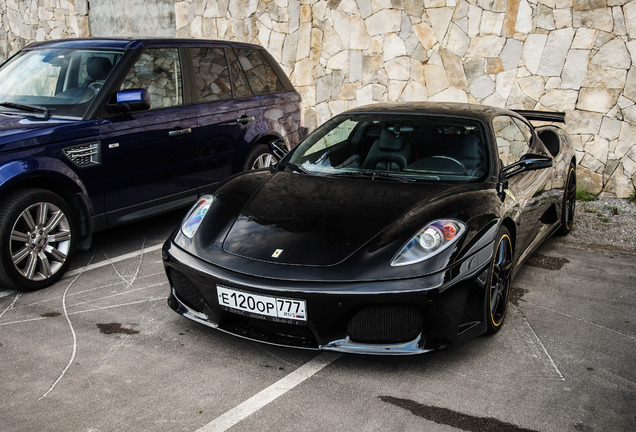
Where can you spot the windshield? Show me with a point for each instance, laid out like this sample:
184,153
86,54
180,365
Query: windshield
406,147
61,81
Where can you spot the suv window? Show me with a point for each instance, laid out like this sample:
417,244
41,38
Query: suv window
157,70
64,81
241,86
211,74
94,69
259,73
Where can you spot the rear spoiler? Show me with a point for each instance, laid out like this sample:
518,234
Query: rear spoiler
558,117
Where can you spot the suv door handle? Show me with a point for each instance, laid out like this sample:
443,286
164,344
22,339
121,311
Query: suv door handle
245,119
179,132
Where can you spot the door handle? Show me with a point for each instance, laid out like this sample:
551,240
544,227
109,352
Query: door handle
245,119
179,132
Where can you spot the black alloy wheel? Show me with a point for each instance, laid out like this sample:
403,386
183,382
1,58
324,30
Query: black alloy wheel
37,239
569,202
499,282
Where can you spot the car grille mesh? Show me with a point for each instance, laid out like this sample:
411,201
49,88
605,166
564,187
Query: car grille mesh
265,331
187,292
385,324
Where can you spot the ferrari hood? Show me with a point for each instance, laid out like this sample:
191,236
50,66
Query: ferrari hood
297,219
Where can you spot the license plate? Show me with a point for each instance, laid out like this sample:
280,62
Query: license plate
262,306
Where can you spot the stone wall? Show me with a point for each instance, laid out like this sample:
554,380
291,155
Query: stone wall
122,18
575,56
26,21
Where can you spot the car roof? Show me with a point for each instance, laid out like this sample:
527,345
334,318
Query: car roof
130,43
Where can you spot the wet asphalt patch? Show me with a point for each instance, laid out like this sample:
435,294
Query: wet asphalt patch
115,328
452,418
517,294
546,262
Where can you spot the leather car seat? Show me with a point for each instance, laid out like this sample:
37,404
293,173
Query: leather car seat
391,151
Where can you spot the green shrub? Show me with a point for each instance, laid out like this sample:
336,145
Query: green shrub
583,195
613,210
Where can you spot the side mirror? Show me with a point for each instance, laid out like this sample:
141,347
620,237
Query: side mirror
278,148
529,162
130,100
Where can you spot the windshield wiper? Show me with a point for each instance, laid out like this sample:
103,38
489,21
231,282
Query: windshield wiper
296,168
27,108
374,175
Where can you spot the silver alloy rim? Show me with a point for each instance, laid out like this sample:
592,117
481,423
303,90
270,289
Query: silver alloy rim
40,241
264,161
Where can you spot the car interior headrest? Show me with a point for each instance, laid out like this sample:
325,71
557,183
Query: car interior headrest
98,68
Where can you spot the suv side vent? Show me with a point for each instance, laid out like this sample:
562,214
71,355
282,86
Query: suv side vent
84,155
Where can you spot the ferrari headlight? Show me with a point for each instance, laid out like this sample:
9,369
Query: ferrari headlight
195,215
429,241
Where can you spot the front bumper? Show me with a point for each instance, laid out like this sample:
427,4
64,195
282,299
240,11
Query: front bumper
409,316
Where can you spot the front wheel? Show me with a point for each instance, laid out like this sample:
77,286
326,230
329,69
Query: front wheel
260,157
37,239
498,287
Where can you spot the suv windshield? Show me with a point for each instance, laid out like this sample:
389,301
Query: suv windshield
385,146
60,81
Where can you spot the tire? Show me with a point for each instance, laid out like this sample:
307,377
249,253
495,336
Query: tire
499,278
37,239
259,157
569,203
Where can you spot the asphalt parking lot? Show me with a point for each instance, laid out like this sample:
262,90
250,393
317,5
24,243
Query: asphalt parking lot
101,351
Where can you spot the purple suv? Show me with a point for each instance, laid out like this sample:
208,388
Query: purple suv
98,132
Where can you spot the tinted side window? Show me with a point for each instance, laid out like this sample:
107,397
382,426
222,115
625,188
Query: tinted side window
241,87
260,74
157,70
512,142
525,129
211,74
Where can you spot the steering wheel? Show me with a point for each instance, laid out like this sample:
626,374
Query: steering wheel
96,86
458,162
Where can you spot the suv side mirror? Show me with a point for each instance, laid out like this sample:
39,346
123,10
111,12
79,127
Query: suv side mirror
529,162
130,100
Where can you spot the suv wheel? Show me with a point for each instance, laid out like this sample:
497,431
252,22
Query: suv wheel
37,230
260,157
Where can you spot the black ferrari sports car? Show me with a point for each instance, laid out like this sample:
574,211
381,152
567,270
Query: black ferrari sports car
391,229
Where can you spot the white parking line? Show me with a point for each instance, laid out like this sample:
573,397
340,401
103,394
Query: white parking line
12,304
73,335
110,261
544,349
582,320
104,263
87,310
271,393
